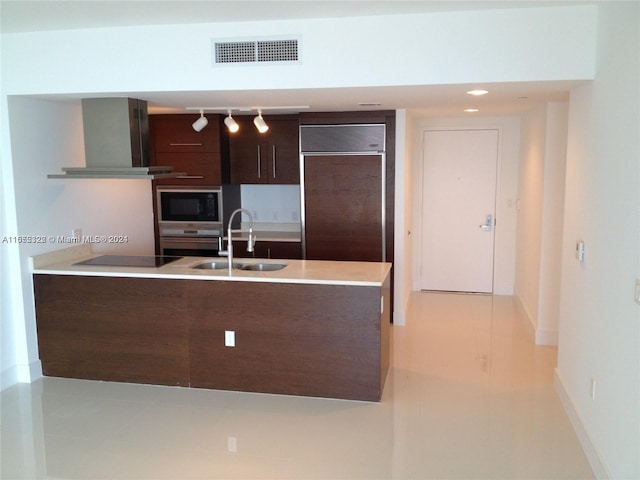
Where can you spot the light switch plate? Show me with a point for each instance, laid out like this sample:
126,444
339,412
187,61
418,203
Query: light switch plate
229,338
580,251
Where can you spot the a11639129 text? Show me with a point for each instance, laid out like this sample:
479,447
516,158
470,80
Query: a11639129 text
63,239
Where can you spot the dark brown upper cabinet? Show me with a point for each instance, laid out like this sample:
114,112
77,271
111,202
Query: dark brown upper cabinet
272,157
203,156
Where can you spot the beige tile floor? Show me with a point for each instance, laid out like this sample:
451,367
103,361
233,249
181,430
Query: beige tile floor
468,397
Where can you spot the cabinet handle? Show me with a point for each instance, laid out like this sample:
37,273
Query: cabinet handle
190,176
273,147
259,162
186,144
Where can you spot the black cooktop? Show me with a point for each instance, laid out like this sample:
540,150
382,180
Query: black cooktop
129,261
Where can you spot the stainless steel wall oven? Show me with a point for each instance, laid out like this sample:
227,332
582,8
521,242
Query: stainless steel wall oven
192,219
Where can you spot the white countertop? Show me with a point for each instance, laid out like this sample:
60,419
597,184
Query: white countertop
61,262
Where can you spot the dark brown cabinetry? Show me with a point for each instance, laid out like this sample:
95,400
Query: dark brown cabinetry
113,329
269,249
272,157
344,192
353,209
296,339
203,156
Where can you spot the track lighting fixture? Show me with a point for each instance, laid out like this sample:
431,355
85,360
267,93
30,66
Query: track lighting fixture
231,124
260,124
200,123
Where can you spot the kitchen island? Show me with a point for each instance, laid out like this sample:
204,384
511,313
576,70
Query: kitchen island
313,328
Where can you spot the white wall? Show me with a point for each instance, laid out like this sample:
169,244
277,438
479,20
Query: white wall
337,52
10,316
540,218
599,320
506,193
552,223
402,255
45,136
530,190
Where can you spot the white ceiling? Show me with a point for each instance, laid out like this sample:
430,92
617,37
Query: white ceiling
39,15
433,100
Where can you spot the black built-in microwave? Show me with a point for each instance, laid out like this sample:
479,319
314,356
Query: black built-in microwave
190,205
196,205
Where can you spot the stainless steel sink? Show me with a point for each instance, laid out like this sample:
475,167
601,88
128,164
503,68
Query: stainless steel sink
262,267
255,267
214,265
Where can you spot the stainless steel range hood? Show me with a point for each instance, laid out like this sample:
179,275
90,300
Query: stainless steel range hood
116,142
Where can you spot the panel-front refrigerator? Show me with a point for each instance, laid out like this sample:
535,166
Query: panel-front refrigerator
342,170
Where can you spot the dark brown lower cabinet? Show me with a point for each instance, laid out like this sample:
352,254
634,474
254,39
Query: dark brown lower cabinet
113,329
269,249
316,340
296,339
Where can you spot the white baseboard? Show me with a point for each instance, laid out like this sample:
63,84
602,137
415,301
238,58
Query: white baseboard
590,450
522,310
20,374
35,371
399,318
548,338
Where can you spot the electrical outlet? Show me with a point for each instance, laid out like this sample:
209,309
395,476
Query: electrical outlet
276,215
232,444
295,216
254,214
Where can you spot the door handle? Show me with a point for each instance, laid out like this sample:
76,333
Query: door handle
488,225
259,162
273,155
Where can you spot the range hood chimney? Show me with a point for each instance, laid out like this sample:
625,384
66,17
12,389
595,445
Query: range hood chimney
116,141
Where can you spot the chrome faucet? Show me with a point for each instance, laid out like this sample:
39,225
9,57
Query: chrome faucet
250,243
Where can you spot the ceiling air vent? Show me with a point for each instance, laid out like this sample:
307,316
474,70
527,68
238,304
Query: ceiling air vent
255,51
235,52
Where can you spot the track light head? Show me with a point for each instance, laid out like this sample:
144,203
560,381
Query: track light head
231,124
260,124
201,122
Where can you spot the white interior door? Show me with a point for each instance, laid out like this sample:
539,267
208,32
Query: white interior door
458,210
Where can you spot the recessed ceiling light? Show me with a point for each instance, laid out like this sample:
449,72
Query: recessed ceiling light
471,110
478,92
